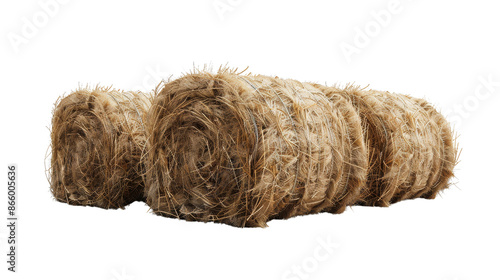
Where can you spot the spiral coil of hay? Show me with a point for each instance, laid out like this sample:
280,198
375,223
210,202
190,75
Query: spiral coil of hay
98,138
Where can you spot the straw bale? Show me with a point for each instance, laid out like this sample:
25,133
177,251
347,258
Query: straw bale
244,149
98,138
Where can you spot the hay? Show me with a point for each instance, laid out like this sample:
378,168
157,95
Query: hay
411,147
244,149
447,154
97,141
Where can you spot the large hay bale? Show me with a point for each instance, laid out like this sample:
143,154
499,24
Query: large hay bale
243,149
410,144
97,141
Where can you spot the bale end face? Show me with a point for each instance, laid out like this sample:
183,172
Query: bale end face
97,142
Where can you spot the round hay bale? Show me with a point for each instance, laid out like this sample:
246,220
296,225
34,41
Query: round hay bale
244,149
411,149
98,138
446,152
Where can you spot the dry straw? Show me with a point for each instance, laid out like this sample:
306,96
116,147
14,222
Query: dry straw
97,141
411,147
244,149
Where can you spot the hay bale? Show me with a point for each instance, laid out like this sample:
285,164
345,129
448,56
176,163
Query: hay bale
244,149
97,141
410,144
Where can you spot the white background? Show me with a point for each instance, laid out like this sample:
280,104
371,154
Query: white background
444,51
